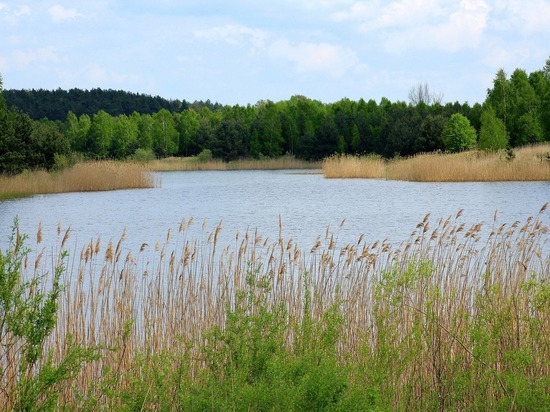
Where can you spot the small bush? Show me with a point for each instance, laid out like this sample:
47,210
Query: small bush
143,155
30,376
204,156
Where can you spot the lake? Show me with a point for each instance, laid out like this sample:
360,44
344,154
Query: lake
306,203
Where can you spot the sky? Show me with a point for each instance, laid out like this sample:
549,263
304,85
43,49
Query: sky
244,51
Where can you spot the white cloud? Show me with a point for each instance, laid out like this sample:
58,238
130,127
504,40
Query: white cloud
310,57
59,13
423,24
22,11
536,18
42,55
358,11
99,75
233,34
11,15
408,13
500,56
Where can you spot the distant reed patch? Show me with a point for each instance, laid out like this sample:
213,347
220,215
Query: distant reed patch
82,177
530,163
207,163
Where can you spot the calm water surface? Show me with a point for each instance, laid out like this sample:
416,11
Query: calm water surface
247,200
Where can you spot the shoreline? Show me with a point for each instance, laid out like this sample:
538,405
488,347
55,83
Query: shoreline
530,163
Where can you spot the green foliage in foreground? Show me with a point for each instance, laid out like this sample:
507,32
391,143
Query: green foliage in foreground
29,375
248,367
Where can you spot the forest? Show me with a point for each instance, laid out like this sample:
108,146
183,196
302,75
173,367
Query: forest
50,129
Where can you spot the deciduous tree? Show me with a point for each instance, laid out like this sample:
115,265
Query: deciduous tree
459,134
492,135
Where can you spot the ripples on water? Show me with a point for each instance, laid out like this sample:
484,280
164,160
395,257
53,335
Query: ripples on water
307,204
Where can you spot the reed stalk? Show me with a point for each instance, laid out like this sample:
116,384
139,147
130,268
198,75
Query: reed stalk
444,318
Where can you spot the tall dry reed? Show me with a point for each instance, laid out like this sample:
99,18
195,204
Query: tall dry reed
447,307
193,163
82,177
527,164
348,166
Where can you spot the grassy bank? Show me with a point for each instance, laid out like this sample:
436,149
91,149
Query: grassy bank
195,163
443,321
106,175
526,164
82,177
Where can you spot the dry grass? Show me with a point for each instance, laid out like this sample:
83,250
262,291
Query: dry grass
184,164
192,163
163,298
349,166
529,164
83,177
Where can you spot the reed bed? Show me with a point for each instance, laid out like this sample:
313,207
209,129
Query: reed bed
349,166
82,177
193,163
456,317
530,163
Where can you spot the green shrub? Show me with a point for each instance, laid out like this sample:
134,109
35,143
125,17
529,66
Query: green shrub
30,378
143,155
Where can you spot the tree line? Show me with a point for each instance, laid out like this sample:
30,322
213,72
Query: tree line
516,112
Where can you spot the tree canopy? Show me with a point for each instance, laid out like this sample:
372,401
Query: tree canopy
38,126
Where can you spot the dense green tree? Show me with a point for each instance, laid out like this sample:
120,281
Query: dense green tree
370,121
229,143
540,81
524,123
492,135
125,137
289,127
47,141
55,104
343,114
145,130
100,135
76,131
430,137
187,124
459,134
165,135
266,134
206,133
499,97
18,150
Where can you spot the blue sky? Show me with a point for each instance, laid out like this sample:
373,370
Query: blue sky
243,51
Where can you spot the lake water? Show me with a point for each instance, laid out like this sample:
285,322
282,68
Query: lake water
306,203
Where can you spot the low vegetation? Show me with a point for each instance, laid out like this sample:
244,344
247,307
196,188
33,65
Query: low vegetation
531,163
204,161
82,177
455,318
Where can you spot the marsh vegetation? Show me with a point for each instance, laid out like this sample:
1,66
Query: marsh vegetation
82,177
448,319
530,163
